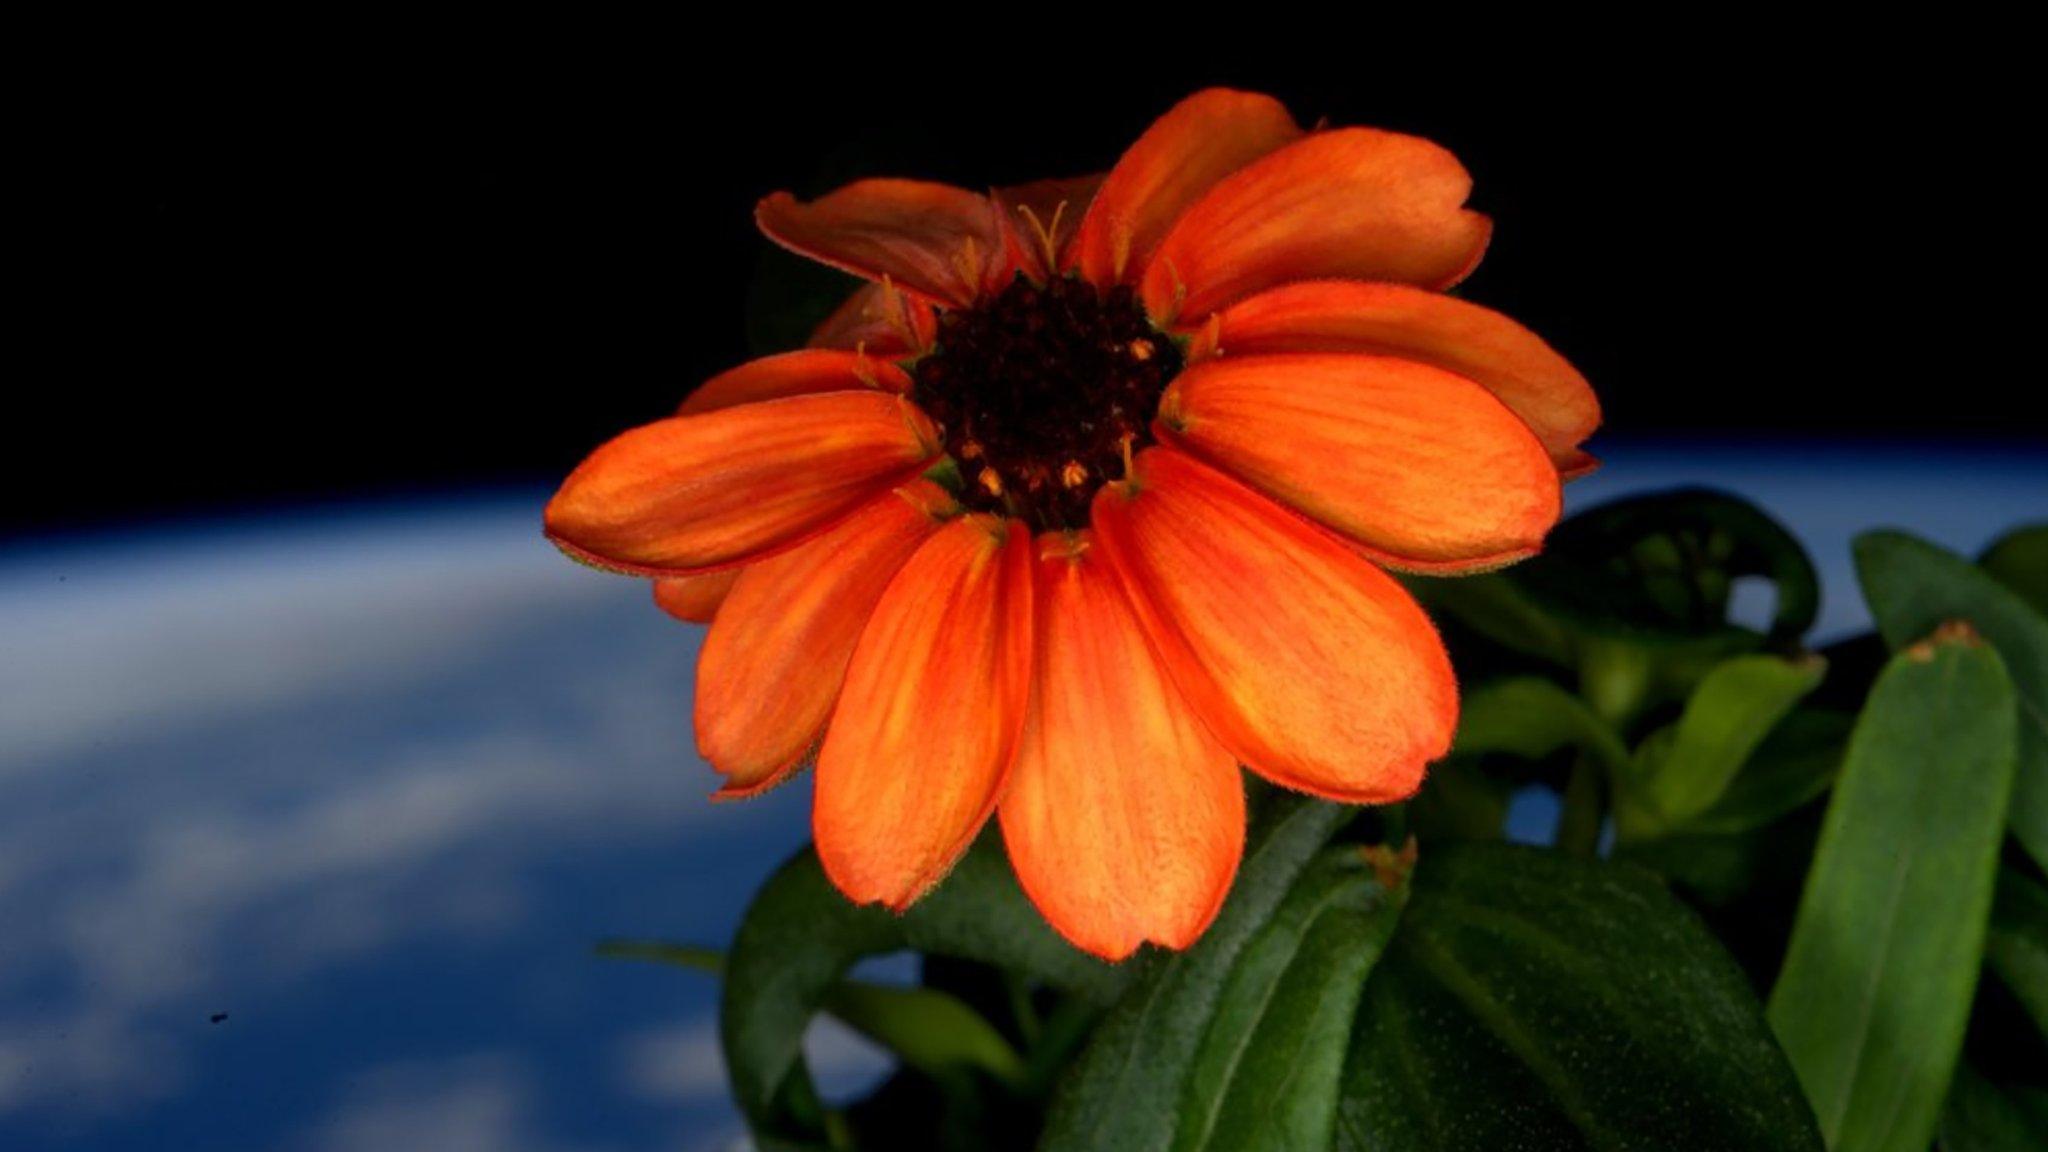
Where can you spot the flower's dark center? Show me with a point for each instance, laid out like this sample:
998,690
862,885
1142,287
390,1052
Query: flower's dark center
1043,391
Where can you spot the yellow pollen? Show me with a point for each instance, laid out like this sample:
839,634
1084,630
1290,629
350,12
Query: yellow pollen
1140,350
1074,474
991,481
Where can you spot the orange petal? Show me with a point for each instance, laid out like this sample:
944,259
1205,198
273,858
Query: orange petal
935,240
881,319
705,491
1311,665
795,374
927,723
1124,817
773,663
1477,343
1350,203
695,598
1182,155
1040,219
1425,469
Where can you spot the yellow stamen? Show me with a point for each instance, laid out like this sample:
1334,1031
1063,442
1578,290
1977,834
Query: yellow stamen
1140,350
967,265
1119,247
991,481
1074,474
1209,343
862,369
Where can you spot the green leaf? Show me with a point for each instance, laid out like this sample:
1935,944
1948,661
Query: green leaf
1535,1001
1982,1116
1727,717
2019,560
927,1029
1634,595
800,935
1497,609
1530,717
1875,993
930,1030
1240,1037
1459,802
1913,588
707,960
2016,946
1793,765
1659,568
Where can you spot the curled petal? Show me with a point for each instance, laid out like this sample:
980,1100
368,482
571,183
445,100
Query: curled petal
1124,817
1425,469
1349,203
1314,667
1477,343
927,723
1182,155
773,663
1040,219
695,598
797,373
940,242
882,320
720,488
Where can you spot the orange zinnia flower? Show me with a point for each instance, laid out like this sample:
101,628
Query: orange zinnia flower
1082,503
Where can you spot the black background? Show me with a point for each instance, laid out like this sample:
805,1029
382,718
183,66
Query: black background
336,272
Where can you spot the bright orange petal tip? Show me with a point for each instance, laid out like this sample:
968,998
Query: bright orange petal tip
927,724
695,493
1312,666
1182,155
1526,374
942,243
1124,816
1349,203
799,373
1424,469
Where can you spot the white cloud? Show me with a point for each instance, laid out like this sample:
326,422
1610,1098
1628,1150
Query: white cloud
239,767
104,638
473,1105
684,1065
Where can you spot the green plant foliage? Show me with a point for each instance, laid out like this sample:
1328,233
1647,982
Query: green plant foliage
1685,770
1793,765
2016,947
1830,829
925,1028
800,935
2019,560
1633,596
1913,587
1986,1117
1876,988
1531,718
1190,1016
1534,1001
